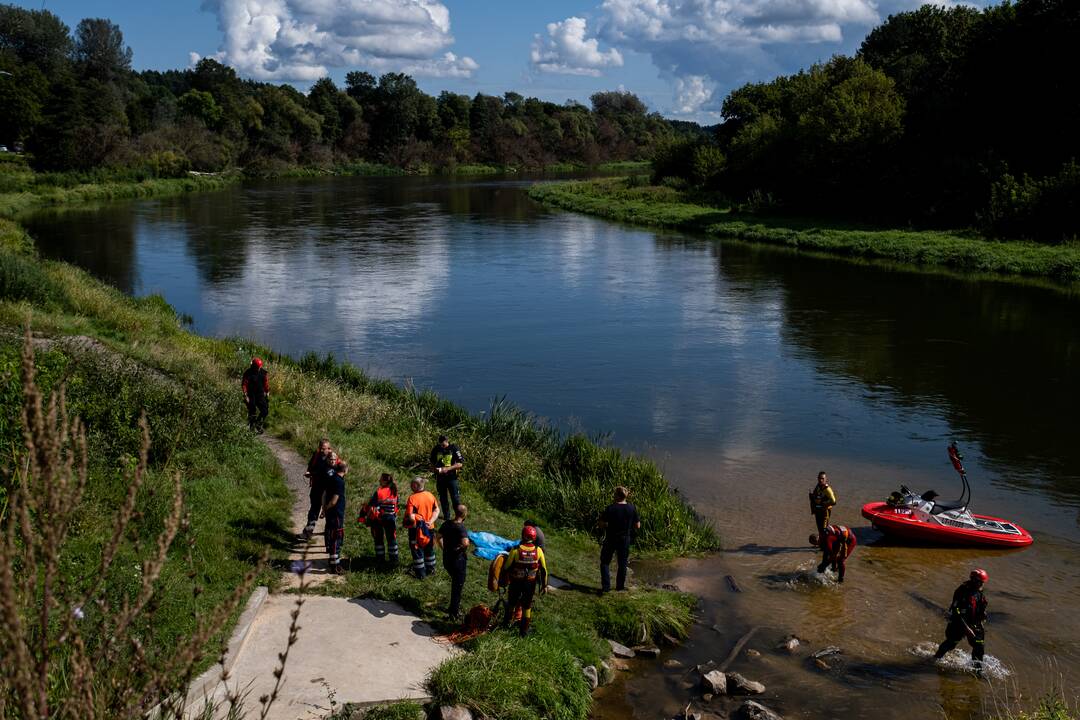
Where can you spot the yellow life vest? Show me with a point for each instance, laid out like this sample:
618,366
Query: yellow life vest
526,564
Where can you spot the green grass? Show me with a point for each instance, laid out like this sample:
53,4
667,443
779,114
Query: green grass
1050,708
40,195
141,358
660,206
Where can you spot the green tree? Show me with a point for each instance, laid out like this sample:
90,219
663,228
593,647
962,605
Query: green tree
201,106
100,52
34,37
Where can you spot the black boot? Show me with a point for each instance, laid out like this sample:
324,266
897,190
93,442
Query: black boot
524,626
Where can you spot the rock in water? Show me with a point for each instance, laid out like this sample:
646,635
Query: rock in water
751,710
620,650
752,653
647,651
821,664
715,682
790,644
455,712
831,650
672,664
738,685
607,673
591,676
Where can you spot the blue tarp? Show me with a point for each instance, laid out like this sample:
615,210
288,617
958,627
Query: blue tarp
488,545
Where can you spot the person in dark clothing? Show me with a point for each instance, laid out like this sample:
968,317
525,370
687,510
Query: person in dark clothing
966,617
446,460
256,388
837,544
539,533
334,512
453,538
320,468
620,522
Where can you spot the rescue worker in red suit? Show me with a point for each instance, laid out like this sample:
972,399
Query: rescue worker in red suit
837,543
525,568
256,388
380,515
966,617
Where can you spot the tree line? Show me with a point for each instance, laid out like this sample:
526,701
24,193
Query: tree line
74,102
944,117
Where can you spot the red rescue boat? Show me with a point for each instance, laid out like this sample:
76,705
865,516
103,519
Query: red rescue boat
920,517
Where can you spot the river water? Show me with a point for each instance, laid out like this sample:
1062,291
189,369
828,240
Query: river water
741,370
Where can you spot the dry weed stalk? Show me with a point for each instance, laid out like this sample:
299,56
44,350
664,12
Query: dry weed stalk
68,652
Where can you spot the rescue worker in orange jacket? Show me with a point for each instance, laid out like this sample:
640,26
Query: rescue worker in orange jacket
421,512
255,386
525,568
380,515
837,543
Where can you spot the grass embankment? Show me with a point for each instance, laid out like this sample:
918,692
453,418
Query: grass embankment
629,200
139,357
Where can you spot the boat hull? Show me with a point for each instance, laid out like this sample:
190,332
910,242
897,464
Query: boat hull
902,523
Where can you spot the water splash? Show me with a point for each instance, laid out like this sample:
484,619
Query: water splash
959,660
806,575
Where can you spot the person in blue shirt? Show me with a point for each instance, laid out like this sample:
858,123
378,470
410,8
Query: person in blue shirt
334,512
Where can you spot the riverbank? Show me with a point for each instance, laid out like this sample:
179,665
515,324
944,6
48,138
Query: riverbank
23,190
628,200
119,355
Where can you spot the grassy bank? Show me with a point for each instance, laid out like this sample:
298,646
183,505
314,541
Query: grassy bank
119,355
628,200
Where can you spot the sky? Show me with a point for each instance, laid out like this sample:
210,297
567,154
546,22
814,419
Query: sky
681,57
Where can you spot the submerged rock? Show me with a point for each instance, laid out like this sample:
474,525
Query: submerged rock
751,710
620,650
825,652
790,644
715,682
647,651
752,653
672,664
738,685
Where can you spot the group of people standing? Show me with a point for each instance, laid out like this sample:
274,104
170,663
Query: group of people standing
967,612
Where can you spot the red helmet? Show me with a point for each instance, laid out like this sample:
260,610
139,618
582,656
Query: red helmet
528,533
980,575
257,362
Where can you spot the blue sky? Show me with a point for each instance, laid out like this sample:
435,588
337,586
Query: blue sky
680,56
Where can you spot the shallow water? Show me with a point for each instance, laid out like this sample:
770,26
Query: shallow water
741,370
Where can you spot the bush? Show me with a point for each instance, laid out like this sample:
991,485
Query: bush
1045,209
22,278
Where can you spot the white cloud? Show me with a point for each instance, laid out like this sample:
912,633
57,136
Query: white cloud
691,94
568,51
703,44
299,40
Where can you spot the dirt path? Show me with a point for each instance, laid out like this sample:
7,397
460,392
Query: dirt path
352,649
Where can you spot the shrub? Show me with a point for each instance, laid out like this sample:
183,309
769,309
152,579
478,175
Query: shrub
1045,209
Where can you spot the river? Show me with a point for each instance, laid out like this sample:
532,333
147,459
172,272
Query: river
741,370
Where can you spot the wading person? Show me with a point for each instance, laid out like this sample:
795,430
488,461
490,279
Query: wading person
446,460
421,512
381,519
319,469
525,570
256,388
836,543
620,522
454,540
334,512
822,500
966,617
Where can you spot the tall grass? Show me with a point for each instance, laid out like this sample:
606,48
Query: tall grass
660,206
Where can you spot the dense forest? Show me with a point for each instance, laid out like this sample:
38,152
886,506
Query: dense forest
945,117
74,102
